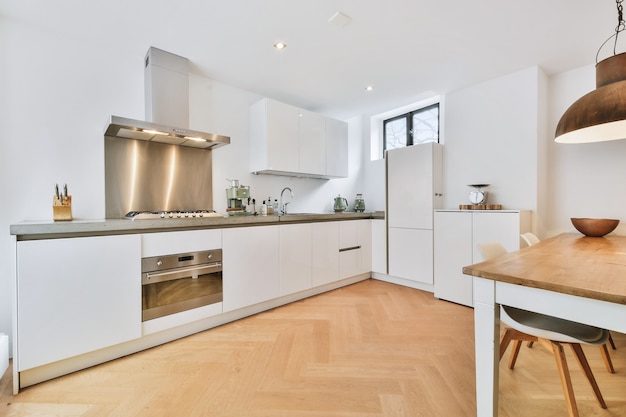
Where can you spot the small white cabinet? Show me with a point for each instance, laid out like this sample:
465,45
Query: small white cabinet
341,249
457,233
250,266
379,246
354,248
286,140
325,253
411,254
295,258
76,295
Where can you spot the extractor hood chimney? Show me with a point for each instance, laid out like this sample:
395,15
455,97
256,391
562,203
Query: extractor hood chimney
166,79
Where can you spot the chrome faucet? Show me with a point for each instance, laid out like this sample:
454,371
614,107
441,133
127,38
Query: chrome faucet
283,207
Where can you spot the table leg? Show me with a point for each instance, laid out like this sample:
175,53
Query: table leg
487,341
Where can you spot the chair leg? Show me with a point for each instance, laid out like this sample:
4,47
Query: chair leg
517,336
612,342
566,381
505,340
582,361
513,358
604,351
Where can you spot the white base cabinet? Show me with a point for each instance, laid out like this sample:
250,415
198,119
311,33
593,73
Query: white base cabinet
295,258
76,295
325,253
341,250
354,248
250,266
411,254
457,233
169,243
78,300
379,246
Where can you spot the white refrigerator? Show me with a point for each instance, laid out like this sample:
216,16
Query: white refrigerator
414,191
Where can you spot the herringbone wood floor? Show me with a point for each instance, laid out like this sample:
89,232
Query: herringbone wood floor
370,349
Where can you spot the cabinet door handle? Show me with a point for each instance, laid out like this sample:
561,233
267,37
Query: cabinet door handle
350,248
151,278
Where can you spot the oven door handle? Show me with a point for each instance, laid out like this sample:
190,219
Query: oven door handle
193,272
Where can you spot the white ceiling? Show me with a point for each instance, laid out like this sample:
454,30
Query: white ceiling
404,48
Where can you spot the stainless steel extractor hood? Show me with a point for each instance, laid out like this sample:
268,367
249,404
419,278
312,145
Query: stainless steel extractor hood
166,79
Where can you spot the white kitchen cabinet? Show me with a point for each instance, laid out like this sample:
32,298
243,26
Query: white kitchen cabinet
365,240
295,258
250,266
379,246
349,249
336,148
414,184
312,143
274,144
457,234
76,295
286,140
411,254
354,248
325,253
340,250
169,243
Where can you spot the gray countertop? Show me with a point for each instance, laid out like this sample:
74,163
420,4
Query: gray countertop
104,227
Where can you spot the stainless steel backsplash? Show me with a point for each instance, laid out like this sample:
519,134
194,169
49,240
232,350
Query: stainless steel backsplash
141,175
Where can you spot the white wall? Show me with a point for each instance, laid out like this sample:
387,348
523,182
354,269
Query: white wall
57,93
491,138
585,180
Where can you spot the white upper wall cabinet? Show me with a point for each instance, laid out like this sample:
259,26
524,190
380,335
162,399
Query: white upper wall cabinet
336,148
312,142
286,140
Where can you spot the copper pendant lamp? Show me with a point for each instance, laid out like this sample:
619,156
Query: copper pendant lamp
601,114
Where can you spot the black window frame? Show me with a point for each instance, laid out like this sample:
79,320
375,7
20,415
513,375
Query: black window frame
409,124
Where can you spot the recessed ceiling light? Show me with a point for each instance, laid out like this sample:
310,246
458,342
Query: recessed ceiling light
280,45
369,88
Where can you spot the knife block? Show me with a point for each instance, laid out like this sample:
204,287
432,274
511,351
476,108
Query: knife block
62,208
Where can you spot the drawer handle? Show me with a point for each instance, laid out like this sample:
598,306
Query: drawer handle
350,248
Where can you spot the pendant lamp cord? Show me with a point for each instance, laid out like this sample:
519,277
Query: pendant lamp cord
619,28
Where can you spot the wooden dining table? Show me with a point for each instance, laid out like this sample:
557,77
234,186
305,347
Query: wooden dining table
570,276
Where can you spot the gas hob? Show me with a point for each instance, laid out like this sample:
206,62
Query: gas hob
171,214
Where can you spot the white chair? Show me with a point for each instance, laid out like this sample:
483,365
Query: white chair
530,238
552,333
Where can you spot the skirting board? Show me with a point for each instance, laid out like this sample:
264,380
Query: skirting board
4,353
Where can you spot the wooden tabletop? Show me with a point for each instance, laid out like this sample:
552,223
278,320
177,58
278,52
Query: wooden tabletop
592,267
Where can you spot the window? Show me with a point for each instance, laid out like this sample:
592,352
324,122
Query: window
415,127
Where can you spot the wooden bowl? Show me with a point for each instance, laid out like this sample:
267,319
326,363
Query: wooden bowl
594,227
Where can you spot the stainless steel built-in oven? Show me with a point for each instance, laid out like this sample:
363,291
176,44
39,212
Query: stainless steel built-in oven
174,283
